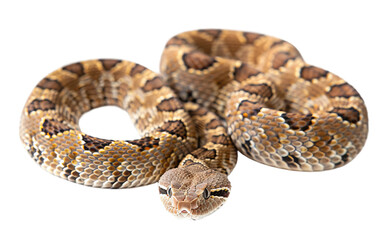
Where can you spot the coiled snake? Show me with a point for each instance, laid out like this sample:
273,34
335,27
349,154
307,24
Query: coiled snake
217,89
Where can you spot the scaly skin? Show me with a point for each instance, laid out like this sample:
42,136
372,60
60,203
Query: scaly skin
218,88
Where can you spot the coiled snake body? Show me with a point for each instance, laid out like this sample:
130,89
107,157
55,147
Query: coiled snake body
218,89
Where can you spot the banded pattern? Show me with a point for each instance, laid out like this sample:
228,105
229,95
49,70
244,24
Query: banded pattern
279,110
50,132
218,88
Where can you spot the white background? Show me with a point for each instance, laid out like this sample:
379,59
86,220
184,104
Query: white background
38,37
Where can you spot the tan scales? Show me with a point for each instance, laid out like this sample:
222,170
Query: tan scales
218,91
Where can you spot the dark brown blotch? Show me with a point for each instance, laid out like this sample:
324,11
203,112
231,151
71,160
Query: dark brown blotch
220,139
343,90
137,69
351,114
197,60
263,90
277,43
169,105
249,108
281,58
108,64
76,68
152,84
48,83
311,72
297,121
145,143
201,111
175,127
252,37
176,41
94,144
53,127
244,72
204,153
213,124
215,33
40,104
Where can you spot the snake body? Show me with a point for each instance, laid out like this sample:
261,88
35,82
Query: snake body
218,91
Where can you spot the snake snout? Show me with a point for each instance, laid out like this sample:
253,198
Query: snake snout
183,204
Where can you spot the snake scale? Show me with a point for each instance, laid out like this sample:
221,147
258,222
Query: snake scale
218,91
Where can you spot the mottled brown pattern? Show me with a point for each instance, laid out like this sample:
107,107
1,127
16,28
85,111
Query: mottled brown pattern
212,32
91,93
152,84
52,127
349,114
249,107
281,58
169,105
76,68
174,127
251,92
137,69
197,60
262,90
40,104
94,144
221,139
244,72
343,90
51,84
108,64
214,123
311,72
252,37
200,111
203,44
145,143
276,43
176,41
203,153
298,121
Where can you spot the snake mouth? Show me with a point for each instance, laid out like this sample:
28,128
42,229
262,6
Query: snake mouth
184,208
184,213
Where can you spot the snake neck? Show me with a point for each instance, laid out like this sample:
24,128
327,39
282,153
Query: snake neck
190,162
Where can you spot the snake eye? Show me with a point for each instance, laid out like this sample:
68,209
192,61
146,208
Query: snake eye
206,193
169,192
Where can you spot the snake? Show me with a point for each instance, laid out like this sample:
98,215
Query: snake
218,91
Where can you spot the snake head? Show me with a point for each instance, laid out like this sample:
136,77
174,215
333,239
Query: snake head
193,191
